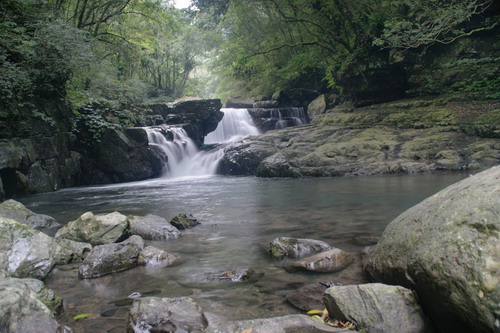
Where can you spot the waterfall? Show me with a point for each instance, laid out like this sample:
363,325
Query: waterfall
183,157
236,124
294,116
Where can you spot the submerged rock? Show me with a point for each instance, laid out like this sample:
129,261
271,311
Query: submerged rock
326,262
111,258
26,252
96,230
295,247
152,227
235,275
184,221
376,308
156,314
12,209
308,297
446,249
283,324
23,307
153,256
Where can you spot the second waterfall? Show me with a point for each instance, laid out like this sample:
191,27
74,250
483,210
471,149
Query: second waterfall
184,159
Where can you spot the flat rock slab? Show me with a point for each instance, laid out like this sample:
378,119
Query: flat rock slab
376,307
295,247
234,275
111,258
96,230
157,314
152,227
325,262
308,297
12,209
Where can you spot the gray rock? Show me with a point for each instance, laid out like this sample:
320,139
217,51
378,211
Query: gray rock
265,104
277,165
156,314
152,227
235,275
446,249
47,296
326,262
12,209
308,297
239,102
366,253
71,251
24,251
96,230
376,308
21,309
317,107
153,256
184,221
283,324
295,247
111,258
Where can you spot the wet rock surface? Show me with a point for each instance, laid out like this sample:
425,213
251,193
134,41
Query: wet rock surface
235,275
295,247
446,249
184,221
156,314
308,297
377,308
155,257
96,229
152,227
330,261
111,258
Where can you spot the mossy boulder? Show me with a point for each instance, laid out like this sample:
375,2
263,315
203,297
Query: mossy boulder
17,211
96,230
155,257
184,221
330,261
152,227
447,249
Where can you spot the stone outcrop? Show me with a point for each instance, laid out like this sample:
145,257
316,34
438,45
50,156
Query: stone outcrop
399,137
376,308
295,247
184,221
12,209
156,314
330,261
308,297
446,249
72,251
111,258
96,230
24,307
152,227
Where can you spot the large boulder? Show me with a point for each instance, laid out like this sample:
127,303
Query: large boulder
376,308
317,107
330,261
295,247
12,209
71,251
152,227
26,252
96,230
111,258
22,308
446,249
156,314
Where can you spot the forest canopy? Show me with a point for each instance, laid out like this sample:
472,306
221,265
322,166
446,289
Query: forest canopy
127,51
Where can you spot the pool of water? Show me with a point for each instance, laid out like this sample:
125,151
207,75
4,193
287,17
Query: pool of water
239,216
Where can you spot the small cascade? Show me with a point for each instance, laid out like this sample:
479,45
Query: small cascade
287,117
183,157
235,125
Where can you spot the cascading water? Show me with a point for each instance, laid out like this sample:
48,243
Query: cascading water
183,157
294,116
235,125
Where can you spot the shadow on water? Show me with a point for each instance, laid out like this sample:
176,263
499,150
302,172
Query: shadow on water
239,216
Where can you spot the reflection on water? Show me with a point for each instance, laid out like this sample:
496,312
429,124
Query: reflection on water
239,216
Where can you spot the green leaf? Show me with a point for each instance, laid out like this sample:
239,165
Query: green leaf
81,316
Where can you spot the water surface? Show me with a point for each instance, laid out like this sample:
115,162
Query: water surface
239,216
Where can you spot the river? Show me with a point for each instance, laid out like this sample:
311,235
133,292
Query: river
239,216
